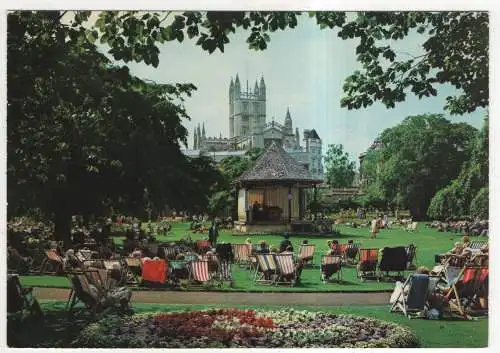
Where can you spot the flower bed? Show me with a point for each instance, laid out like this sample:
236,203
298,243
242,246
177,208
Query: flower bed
221,328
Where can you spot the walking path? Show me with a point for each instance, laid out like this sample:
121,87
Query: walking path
174,297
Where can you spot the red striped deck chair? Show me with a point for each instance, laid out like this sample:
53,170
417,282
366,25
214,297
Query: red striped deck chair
463,292
241,254
154,271
367,266
213,264
199,273
306,254
202,246
330,265
132,269
350,254
266,268
285,269
52,260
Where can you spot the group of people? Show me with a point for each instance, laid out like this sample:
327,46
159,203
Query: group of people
472,227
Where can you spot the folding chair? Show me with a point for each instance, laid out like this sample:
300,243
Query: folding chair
265,272
227,257
412,227
115,270
330,265
199,274
170,252
154,271
178,271
20,300
133,266
306,254
367,266
411,254
417,287
477,244
81,292
54,260
241,254
464,291
393,260
350,254
285,269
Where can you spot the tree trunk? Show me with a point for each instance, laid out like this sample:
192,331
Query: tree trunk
62,223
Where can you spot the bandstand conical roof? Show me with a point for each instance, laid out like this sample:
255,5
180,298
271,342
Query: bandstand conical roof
276,165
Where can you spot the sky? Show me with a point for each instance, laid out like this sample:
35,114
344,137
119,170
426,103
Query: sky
304,70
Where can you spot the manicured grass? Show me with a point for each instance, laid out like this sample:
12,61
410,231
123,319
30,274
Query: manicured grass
428,241
58,331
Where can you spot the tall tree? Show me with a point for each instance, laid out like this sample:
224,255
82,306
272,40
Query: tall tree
418,157
82,134
340,170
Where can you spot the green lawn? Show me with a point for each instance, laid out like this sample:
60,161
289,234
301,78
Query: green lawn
57,331
428,241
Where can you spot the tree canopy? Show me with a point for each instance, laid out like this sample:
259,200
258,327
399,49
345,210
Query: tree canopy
340,170
83,134
454,50
415,159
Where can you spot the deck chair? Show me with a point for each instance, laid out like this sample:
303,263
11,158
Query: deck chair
265,272
330,265
170,252
133,269
199,274
178,271
116,270
417,287
202,246
393,260
241,254
411,254
350,254
20,300
227,257
16,262
464,291
477,244
154,271
285,269
367,266
52,259
306,254
81,292
451,274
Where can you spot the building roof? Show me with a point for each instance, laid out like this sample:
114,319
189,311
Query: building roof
275,164
311,134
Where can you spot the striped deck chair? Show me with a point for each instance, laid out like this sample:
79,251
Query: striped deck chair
417,287
226,256
84,254
367,266
241,254
411,253
154,271
202,246
330,265
191,257
350,255
266,268
285,269
477,244
80,292
133,266
170,252
199,273
464,291
306,254
53,260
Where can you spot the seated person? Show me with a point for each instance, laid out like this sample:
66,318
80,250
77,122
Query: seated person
335,248
285,243
263,249
273,249
136,253
399,285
